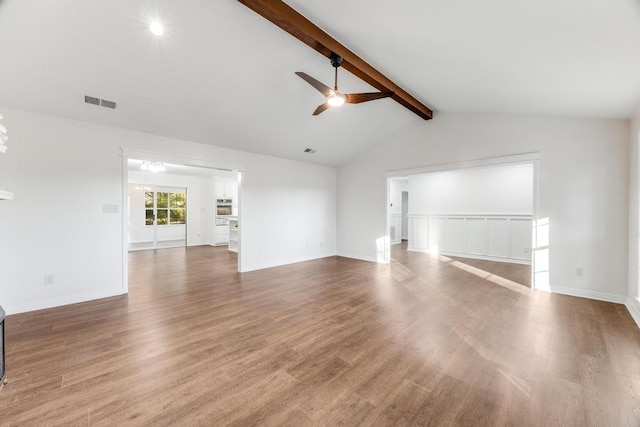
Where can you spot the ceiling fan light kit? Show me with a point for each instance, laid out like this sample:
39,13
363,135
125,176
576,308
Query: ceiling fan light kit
336,100
334,97
288,19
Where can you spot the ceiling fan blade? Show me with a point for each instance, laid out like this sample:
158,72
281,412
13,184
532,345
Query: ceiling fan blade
321,87
321,108
356,98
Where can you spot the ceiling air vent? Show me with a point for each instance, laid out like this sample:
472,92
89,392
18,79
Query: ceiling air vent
309,150
91,100
100,102
108,104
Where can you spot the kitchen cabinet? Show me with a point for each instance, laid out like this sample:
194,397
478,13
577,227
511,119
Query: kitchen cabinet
222,235
227,188
233,234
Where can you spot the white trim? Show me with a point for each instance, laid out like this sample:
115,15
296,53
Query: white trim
359,257
633,305
463,215
125,222
536,219
60,301
284,263
494,161
473,256
583,293
180,160
240,178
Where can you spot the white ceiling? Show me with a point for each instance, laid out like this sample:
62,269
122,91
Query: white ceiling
223,75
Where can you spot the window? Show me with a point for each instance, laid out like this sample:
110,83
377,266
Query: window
166,208
178,204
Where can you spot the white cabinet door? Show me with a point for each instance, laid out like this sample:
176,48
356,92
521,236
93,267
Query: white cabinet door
222,234
220,188
226,188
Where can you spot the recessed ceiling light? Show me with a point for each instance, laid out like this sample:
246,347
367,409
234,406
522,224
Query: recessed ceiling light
156,28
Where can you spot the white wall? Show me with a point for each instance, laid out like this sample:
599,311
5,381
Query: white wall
506,189
200,200
582,186
64,171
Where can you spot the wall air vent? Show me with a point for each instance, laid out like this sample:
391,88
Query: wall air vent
100,102
309,150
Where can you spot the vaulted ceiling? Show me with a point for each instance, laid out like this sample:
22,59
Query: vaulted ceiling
223,75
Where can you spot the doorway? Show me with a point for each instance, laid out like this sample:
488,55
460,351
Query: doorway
176,203
481,211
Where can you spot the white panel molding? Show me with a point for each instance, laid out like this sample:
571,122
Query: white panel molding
583,293
63,300
462,235
633,305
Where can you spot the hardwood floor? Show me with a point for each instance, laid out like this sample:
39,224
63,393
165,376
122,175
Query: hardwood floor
517,273
335,341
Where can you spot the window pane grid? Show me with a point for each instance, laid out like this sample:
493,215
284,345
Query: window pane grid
169,208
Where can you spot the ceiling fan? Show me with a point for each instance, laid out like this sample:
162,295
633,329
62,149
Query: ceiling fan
334,97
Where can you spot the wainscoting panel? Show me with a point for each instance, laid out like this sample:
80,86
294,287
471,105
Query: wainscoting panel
521,236
455,231
497,237
436,232
419,231
494,237
476,240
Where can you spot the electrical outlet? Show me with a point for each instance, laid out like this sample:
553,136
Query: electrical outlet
49,279
579,272
527,249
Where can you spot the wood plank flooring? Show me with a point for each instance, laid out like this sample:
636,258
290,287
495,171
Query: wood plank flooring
424,341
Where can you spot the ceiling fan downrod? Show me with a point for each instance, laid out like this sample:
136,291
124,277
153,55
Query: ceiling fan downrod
336,62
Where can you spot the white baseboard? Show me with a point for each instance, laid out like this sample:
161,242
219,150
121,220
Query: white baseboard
633,305
473,256
582,293
359,257
262,266
59,301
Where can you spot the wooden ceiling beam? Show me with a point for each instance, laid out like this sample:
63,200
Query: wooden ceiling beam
287,18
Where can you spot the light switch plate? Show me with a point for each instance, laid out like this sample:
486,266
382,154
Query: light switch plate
112,209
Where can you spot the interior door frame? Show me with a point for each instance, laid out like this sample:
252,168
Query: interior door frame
130,153
525,158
